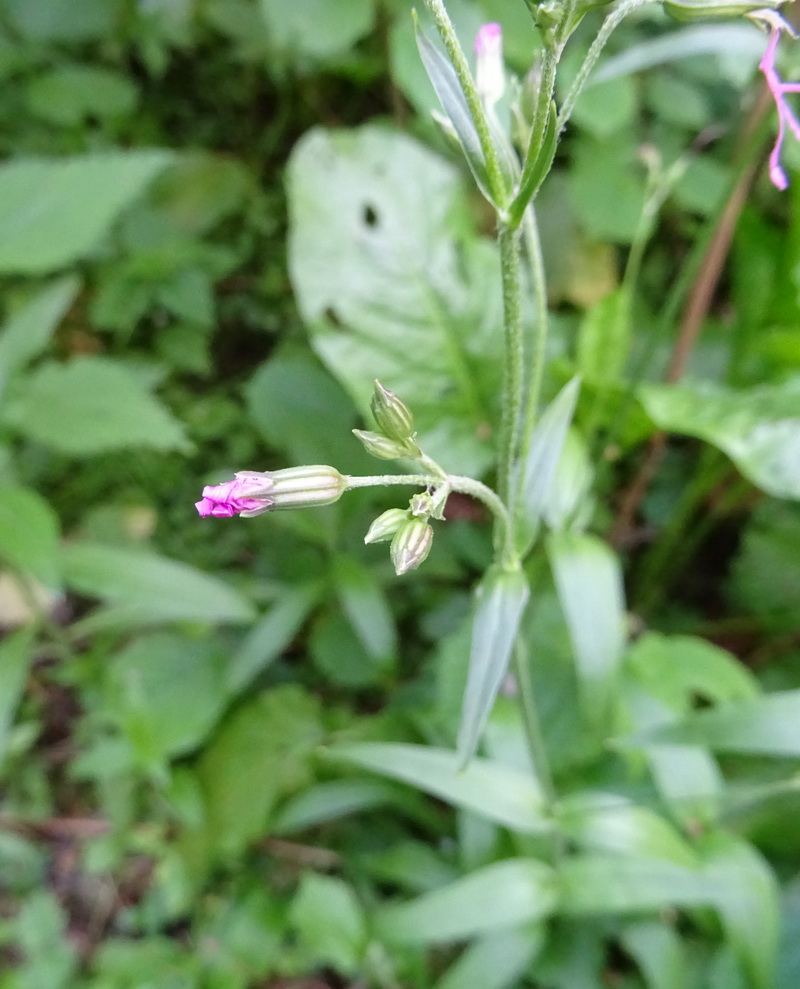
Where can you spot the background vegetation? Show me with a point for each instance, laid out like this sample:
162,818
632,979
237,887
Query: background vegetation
219,221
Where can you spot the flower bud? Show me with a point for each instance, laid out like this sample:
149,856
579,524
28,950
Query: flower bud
411,545
385,526
306,487
251,493
392,415
490,79
383,448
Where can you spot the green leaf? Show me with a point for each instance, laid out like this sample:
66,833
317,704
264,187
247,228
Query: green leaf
67,95
588,579
748,904
768,725
330,801
604,822
146,694
494,791
150,586
495,961
601,883
546,447
29,534
91,405
445,81
262,752
329,922
604,339
53,213
501,895
28,330
659,952
16,653
363,601
500,602
270,636
759,428
395,296
677,668
316,28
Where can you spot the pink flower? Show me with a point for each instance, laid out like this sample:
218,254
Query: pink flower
779,90
490,79
245,493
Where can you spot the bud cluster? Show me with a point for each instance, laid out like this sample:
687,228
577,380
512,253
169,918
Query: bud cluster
395,437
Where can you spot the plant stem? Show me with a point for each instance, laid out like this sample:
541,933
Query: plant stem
458,60
514,361
384,480
535,371
609,24
547,85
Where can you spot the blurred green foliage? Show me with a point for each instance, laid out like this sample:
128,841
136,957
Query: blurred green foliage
227,746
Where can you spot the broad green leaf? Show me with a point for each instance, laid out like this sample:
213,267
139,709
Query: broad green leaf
445,81
677,668
92,405
767,725
68,95
259,754
501,794
29,533
546,447
165,693
659,952
495,961
27,330
317,28
45,21
16,653
758,428
330,801
603,822
607,107
53,213
395,295
748,904
604,339
329,922
601,883
150,586
505,894
588,579
270,636
363,601
500,602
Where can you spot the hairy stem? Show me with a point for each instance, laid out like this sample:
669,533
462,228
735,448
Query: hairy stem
514,360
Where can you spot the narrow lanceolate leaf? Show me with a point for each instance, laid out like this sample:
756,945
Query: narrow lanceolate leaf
501,599
589,584
494,791
547,442
497,960
501,895
534,173
747,904
53,213
445,81
768,725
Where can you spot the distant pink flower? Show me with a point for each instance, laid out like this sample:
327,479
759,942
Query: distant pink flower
490,79
779,90
245,493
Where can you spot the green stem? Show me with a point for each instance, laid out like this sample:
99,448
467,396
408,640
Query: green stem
458,60
514,360
385,480
547,86
533,245
609,24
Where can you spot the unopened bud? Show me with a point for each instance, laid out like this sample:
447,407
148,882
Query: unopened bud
490,79
383,448
305,487
391,413
385,526
411,545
